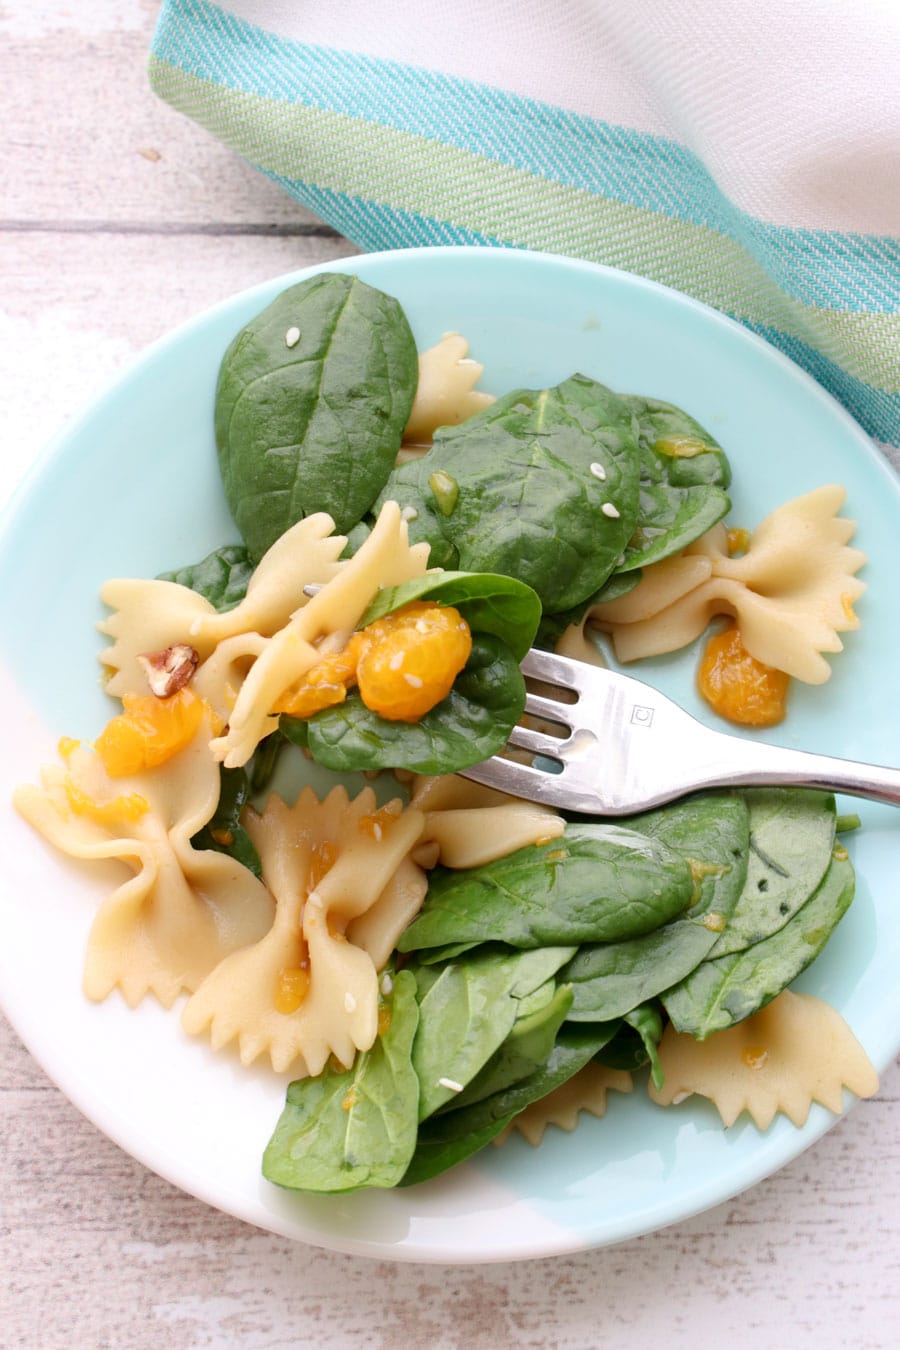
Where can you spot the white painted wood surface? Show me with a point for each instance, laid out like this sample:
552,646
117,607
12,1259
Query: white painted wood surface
121,219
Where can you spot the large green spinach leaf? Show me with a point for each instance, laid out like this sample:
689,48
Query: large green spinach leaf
598,882
526,1049
488,603
710,832
467,1013
423,520
683,477
312,398
520,488
356,1128
730,988
791,838
453,1136
472,723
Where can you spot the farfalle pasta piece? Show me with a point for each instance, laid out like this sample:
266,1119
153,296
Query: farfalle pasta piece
467,825
584,1091
790,594
306,990
661,585
446,393
150,616
326,622
378,929
575,644
794,1051
183,910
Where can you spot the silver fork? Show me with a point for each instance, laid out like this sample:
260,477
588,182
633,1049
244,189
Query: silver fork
628,748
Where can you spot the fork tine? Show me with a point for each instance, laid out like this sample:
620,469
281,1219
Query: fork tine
519,780
538,665
539,706
524,738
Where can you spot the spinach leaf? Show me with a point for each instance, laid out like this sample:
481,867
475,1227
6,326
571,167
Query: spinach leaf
224,833
730,988
312,398
637,1043
265,761
222,577
444,1141
791,838
354,1128
469,725
356,537
526,1049
520,496
541,998
453,1136
683,477
488,603
424,527
433,956
710,832
598,882
552,626
468,1012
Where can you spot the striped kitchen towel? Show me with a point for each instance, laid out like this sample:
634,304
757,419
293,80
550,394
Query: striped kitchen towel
748,155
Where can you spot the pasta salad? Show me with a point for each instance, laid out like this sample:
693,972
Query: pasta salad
437,964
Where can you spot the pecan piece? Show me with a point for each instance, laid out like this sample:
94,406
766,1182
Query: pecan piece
169,670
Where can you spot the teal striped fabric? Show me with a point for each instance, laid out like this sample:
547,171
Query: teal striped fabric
395,155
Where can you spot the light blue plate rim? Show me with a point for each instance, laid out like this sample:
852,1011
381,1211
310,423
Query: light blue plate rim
571,1220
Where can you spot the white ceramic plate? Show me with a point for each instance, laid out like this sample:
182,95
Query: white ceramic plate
132,489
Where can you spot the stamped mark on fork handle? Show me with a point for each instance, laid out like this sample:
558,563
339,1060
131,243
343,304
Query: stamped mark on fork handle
640,716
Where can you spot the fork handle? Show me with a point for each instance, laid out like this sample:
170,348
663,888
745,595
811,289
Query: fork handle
750,763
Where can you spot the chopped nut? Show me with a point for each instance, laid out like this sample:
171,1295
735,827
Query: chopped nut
170,670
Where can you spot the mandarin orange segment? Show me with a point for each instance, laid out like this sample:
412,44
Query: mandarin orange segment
291,988
404,664
375,824
324,684
739,687
119,811
309,699
149,731
322,859
412,658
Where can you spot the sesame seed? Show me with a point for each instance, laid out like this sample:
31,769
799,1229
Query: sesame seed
413,681
314,900
450,1084
377,832
421,626
292,337
349,1002
598,471
396,661
408,513
609,510
387,985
